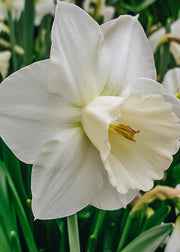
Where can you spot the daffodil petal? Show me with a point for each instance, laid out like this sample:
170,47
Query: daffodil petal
65,176
109,199
131,55
147,86
172,80
29,114
134,165
78,55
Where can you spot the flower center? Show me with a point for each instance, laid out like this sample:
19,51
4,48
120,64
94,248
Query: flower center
124,130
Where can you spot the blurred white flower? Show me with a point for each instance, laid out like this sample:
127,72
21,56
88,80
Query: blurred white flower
15,6
69,1
178,186
4,62
92,118
174,38
106,11
173,244
158,192
1,26
172,81
42,8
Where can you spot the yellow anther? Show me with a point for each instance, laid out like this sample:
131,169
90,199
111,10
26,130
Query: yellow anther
124,130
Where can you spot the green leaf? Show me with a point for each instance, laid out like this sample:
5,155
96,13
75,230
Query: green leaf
13,167
176,173
24,223
8,223
144,5
95,231
150,240
61,227
157,218
4,241
139,7
28,31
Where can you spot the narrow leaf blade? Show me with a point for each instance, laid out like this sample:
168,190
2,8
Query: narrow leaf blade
150,240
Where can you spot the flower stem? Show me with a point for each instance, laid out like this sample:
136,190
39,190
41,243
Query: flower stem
125,232
73,233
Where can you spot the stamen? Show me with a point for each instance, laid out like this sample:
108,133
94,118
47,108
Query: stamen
124,130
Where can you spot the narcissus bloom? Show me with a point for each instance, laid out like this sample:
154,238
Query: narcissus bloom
4,62
91,119
102,10
42,8
174,38
172,81
15,6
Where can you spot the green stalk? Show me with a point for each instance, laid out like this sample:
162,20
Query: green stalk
13,165
125,232
73,233
28,236
96,229
12,40
28,31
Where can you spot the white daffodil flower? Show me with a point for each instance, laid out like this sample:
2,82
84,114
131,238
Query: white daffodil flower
91,119
4,62
174,39
172,81
42,8
173,244
15,6
106,11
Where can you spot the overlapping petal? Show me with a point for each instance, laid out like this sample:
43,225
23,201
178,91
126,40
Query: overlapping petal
78,55
66,175
131,55
30,115
147,86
